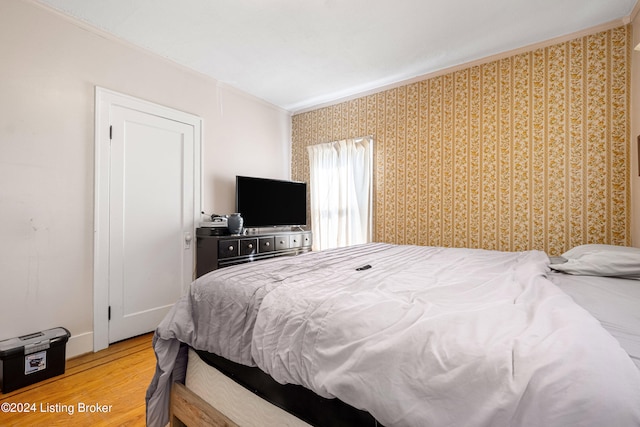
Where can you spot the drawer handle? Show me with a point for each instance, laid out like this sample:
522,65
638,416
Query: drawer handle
295,241
282,242
250,246
230,248
267,244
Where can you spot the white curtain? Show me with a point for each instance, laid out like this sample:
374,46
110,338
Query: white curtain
341,189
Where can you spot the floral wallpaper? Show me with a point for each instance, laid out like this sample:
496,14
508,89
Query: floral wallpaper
526,152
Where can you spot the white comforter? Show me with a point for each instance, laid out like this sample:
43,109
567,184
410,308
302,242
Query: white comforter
425,337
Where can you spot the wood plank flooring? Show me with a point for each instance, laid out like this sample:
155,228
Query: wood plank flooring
116,379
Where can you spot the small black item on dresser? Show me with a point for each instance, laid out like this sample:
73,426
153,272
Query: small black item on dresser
364,267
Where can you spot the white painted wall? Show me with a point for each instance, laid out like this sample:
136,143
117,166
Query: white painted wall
635,132
49,66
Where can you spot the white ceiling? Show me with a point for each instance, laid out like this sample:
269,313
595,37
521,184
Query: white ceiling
300,53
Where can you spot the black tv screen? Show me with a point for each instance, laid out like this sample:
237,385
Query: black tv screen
266,202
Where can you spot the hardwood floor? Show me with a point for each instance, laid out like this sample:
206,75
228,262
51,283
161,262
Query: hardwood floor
115,379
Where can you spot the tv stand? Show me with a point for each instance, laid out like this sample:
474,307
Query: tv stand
213,252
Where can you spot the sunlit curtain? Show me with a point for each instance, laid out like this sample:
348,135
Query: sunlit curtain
341,191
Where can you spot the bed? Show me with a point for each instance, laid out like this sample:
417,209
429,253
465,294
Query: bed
408,335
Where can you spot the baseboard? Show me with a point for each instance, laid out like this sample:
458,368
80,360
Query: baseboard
79,344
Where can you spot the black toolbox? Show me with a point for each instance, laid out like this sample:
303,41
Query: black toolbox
31,358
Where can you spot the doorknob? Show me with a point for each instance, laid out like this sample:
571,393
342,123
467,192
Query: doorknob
187,240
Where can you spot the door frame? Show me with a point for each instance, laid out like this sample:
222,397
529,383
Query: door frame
104,100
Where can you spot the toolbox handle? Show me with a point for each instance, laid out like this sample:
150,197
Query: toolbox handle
28,337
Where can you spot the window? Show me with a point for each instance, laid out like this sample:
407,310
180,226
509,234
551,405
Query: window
341,190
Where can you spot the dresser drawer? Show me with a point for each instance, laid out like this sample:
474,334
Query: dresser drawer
266,244
295,241
248,246
282,242
228,248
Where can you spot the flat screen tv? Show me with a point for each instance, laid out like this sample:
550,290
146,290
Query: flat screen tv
264,202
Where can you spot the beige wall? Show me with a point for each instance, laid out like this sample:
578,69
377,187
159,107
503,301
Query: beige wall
526,152
49,67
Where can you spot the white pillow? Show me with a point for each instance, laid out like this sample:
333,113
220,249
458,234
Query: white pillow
601,260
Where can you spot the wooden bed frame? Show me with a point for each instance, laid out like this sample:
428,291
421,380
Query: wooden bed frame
187,409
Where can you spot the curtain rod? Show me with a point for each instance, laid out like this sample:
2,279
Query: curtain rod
358,138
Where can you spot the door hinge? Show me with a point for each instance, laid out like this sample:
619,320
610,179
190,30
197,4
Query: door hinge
109,313
110,132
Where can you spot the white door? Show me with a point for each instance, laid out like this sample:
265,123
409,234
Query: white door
153,201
